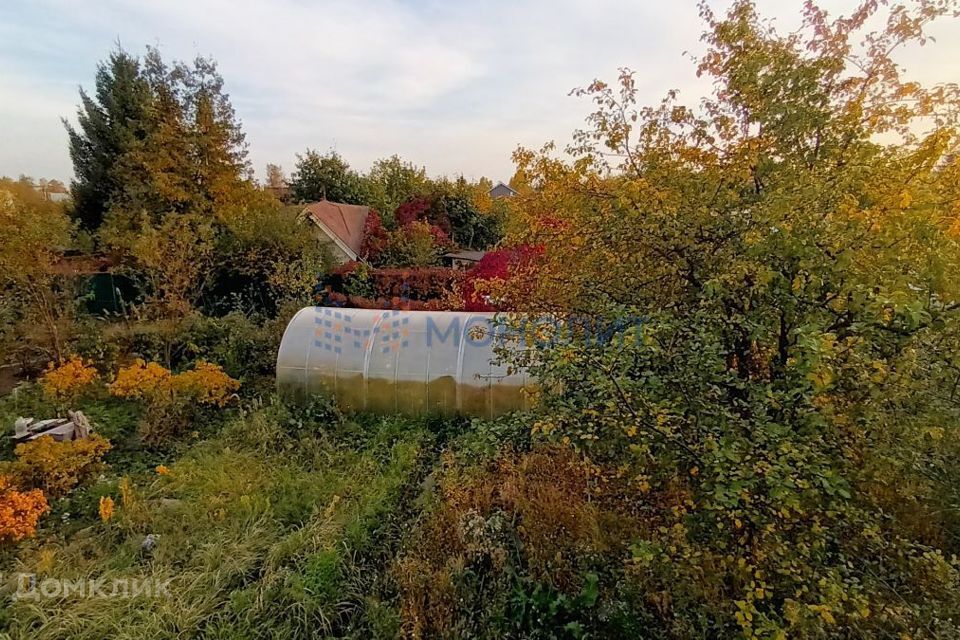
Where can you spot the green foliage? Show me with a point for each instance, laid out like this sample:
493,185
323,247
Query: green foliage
261,530
266,260
539,611
359,282
417,244
469,227
156,139
37,304
174,260
776,403
326,177
391,182
111,122
245,345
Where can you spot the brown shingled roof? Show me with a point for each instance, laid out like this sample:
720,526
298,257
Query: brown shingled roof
344,220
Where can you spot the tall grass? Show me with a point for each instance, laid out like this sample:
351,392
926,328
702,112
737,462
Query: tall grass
261,531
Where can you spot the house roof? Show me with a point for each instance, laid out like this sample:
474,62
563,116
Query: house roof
500,186
342,222
473,256
83,264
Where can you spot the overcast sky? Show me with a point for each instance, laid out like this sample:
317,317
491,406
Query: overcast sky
453,85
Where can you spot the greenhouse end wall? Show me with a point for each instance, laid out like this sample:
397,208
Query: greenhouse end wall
411,362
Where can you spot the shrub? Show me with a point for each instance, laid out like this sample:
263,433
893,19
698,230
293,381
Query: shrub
421,283
175,259
497,282
264,258
68,379
206,383
95,345
375,238
359,281
141,380
19,511
38,306
173,400
417,244
522,530
398,304
58,467
245,345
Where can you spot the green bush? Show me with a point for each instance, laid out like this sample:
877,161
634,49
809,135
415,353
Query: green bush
244,345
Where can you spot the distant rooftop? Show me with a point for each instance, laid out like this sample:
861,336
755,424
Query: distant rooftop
501,190
473,256
344,221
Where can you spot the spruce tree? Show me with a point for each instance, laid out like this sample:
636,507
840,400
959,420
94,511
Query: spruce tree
111,122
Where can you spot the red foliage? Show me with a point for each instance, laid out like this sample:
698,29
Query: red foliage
375,237
412,209
421,284
393,304
504,264
441,239
345,269
427,209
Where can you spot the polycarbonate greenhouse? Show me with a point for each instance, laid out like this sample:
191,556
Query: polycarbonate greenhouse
410,362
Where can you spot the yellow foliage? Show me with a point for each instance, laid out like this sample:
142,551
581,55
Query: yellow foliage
106,508
68,379
19,511
46,560
205,384
141,380
127,495
58,467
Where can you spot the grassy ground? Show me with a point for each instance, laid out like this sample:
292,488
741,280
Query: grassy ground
275,524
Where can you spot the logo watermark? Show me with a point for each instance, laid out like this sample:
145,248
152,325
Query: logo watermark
336,328
29,587
339,328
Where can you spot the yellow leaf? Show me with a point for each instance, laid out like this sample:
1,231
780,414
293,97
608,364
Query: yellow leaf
791,612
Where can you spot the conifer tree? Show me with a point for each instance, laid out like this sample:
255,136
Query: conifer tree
111,122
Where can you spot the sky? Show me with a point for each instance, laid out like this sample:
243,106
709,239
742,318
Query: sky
453,85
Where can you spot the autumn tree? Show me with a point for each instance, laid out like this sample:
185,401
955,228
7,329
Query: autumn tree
156,138
392,181
326,177
471,218
276,179
193,156
174,259
36,300
265,259
178,173
416,244
773,374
